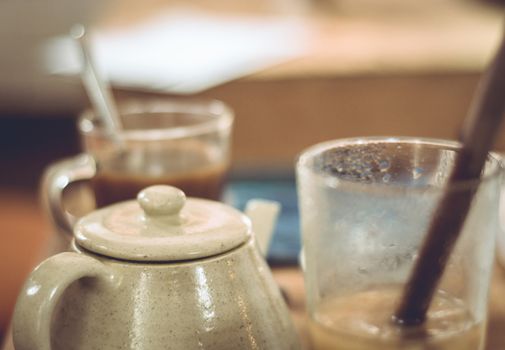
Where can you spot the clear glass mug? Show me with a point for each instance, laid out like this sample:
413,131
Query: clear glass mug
365,208
184,143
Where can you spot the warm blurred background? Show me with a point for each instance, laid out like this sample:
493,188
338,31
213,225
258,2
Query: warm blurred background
296,72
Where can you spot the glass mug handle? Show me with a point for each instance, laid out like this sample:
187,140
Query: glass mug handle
56,178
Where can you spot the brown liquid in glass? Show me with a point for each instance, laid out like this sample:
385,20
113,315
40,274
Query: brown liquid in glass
125,176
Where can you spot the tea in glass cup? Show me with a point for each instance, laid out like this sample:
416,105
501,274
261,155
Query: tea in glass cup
183,143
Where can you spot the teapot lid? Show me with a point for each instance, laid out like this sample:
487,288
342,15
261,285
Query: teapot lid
163,225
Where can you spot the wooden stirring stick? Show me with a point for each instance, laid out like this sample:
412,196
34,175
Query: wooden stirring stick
479,132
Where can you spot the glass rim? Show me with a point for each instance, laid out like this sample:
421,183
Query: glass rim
317,149
220,118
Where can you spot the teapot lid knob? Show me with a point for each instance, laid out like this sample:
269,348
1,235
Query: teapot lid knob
161,200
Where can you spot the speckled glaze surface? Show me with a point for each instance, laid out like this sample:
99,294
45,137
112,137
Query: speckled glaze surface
228,301
157,274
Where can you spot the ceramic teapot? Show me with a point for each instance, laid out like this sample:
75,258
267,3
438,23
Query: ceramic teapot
162,272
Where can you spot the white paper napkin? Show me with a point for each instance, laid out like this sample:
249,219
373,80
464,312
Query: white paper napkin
184,51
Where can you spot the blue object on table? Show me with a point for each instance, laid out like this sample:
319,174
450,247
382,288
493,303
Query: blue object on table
285,244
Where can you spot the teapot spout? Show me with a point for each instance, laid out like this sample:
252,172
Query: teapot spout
263,214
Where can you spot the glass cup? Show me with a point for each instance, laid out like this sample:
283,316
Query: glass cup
366,205
182,143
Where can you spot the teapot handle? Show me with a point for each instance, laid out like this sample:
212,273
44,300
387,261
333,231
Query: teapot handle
41,292
56,178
